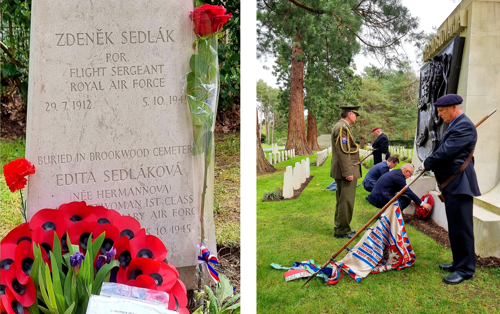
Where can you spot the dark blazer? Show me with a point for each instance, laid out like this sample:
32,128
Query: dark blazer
382,145
388,186
374,174
456,145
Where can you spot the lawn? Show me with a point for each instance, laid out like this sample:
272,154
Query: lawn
302,229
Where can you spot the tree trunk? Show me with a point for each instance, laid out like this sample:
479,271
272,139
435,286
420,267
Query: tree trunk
296,126
274,120
263,165
312,132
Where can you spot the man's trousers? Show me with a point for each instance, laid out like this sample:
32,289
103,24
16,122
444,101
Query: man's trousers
346,194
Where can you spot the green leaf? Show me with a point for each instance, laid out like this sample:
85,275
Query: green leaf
212,72
36,264
50,291
70,309
99,278
45,297
198,310
59,296
56,250
33,309
213,299
96,245
44,310
67,287
72,248
10,70
226,290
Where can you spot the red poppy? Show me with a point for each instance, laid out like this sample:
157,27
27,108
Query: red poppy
80,232
163,274
24,259
49,219
178,296
209,19
7,255
103,215
123,255
15,173
128,226
148,246
143,282
3,282
45,239
18,234
110,238
10,305
74,212
183,311
24,293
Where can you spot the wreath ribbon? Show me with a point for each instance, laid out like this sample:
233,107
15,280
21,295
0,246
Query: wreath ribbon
208,258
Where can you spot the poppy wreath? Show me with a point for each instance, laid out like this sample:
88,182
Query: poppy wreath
54,262
421,212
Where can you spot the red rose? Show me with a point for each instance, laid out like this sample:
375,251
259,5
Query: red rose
209,19
15,173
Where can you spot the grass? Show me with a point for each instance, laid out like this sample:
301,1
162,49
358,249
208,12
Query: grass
227,189
226,195
10,215
302,229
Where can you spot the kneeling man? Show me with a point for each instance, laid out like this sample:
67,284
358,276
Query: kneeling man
390,184
377,171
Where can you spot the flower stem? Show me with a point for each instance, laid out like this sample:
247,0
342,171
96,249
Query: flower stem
23,206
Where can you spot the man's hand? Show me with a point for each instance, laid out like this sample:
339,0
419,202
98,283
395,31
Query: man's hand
349,178
427,206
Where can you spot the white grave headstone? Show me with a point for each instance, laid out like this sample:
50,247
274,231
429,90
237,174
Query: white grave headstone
302,171
271,158
108,121
308,168
296,176
288,183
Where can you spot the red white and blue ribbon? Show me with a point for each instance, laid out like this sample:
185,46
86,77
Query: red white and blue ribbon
208,258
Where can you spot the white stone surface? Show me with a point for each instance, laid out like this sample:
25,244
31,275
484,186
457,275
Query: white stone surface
108,116
321,157
308,168
288,183
279,157
270,158
302,171
296,176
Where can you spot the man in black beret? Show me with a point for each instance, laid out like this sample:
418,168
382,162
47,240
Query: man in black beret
454,170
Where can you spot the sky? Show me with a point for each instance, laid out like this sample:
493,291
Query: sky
429,18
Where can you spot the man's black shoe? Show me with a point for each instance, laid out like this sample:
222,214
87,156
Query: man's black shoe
351,234
454,278
447,267
347,236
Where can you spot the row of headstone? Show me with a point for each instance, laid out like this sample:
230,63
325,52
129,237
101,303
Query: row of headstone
364,152
280,156
400,151
321,157
295,176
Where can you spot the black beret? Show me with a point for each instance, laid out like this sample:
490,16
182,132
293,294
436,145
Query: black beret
448,100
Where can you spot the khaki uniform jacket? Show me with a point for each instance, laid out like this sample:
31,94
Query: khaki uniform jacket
345,152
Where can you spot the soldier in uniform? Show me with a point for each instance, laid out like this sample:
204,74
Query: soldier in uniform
345,153
456,178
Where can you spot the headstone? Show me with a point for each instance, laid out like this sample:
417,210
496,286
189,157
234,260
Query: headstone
321,157
302,171
296,176
288,183
108,121
275,158
271,158
308,168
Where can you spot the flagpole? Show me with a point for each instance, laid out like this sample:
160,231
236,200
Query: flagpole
380,212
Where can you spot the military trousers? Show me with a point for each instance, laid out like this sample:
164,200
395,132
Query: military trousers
346,194
461,232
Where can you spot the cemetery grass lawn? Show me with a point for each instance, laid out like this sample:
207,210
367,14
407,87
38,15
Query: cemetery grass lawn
302,229
10,215
227,189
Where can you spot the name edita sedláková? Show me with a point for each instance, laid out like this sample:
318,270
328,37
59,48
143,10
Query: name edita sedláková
116,175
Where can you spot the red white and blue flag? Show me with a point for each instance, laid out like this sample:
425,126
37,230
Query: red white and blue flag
383,247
